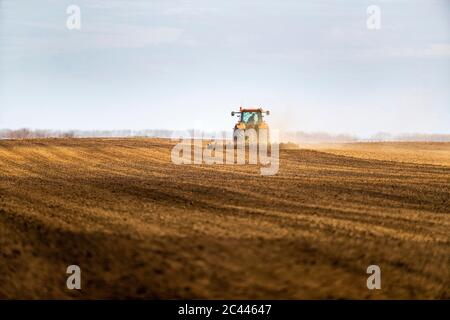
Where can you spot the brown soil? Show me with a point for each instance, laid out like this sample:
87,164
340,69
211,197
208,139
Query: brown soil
142,227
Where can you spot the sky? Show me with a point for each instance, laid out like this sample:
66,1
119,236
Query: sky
165,64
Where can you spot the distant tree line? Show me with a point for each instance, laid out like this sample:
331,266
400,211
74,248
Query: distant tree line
289,136
25,133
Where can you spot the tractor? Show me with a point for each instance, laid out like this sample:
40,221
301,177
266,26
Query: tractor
249,118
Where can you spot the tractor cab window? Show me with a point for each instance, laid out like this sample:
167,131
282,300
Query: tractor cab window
251,117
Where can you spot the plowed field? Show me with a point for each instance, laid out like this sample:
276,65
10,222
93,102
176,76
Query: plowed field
141,227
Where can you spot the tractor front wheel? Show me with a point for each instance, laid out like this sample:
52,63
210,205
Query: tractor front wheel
238,135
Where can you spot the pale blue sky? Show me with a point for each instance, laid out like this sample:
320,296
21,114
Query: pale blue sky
186,64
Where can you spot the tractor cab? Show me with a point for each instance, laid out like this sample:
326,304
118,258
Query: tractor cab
250,118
